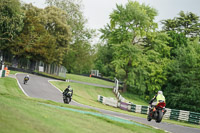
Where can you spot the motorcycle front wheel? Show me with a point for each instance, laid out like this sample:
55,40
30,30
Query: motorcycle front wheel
160,115
66,100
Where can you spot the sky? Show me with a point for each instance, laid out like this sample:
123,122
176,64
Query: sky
97,11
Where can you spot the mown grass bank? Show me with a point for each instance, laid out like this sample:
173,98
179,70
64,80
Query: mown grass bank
23,114
88,79
87,94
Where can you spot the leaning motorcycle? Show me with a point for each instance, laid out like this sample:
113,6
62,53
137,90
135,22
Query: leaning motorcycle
25,80
157,112
67,97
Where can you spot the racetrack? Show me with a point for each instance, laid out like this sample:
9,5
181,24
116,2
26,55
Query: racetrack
39,87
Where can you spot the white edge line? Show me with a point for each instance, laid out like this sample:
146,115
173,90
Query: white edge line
59,89
21,86
54,85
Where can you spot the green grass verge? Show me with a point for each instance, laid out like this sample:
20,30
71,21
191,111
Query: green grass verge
23,114
88,95
134,99
85,94
89,79
50,75
14,72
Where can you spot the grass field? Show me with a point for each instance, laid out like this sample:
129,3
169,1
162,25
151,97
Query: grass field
88,79
21,114
86,94
83,93
134,99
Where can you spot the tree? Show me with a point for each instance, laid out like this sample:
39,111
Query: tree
80,49
183,87
186,23
158,56
38,41
11,22
129,26
103,59
54,20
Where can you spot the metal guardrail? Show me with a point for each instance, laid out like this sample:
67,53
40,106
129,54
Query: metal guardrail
173,114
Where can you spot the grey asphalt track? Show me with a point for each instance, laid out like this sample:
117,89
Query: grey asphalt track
39,87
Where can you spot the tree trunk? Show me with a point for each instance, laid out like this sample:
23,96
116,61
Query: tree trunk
126,77
125,80
32,65
125,87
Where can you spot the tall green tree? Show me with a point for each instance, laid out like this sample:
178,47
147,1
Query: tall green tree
103,59
80,44
54,20
44,37
129,26
186,23
33,43
183,87
158,55
11,22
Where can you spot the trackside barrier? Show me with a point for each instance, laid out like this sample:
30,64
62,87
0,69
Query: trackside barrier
191,117
167,114
138,108
125,106
194,118
100,98
184,115
108,101
133,107
144,110
174,114
122,103
7,72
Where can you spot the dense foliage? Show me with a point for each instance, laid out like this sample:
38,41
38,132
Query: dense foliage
79,59
11,23
148,60
56,34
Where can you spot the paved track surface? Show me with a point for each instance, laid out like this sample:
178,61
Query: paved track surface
39,87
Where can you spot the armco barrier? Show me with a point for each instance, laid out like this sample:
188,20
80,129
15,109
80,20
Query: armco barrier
133,107
108,101
144,110
121,98
167,114
194,118
138,108
174,114
100,98
124,106
191,117
184,115
118,94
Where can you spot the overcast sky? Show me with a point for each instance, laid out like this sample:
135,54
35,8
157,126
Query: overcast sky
97,11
